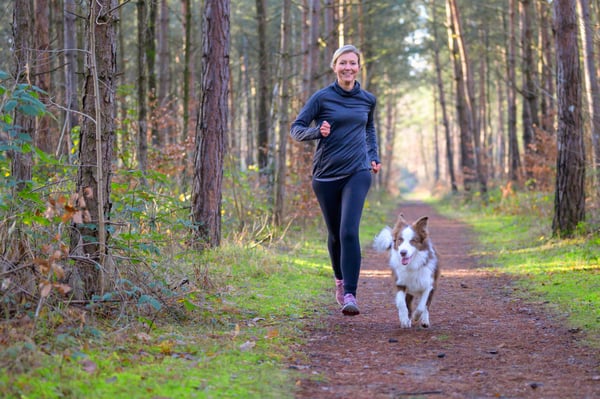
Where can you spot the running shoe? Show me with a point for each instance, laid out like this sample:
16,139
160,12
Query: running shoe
350,307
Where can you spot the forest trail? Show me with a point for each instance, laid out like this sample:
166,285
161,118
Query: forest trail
483,341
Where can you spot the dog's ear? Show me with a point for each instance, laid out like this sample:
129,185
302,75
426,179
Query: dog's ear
421,225
401,219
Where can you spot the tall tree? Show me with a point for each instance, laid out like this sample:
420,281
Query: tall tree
284,102
70,59
141,84
164,82
187,57
547,110
569,200
442,99
529,90
212,124
96,147
150,49
263,86
21,161
46,138
463,105
514,158
592,88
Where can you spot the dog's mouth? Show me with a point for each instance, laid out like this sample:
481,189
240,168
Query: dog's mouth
406,260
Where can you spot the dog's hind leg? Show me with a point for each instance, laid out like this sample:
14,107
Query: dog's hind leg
403,314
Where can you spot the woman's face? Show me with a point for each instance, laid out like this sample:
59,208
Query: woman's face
346,68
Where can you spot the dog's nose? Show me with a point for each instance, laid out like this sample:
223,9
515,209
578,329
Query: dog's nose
403,253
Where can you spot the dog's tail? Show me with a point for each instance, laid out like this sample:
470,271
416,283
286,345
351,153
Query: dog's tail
384,240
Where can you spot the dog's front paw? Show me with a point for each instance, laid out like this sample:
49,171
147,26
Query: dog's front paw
405,322
424,319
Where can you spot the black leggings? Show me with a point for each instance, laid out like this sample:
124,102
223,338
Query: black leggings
342,204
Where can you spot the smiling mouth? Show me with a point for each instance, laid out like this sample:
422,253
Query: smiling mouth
406,260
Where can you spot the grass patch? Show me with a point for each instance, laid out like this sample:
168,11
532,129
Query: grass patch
231,333
564,273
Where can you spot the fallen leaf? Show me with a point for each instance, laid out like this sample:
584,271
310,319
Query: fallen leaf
45,288
273,333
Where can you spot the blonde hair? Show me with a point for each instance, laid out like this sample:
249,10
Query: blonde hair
348,48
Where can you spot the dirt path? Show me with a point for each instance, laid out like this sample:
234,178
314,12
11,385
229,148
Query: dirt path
483,343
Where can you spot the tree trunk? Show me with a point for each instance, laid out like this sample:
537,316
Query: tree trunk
514,158
212,124
464,111
150,49
547,108
387,154
284,70
443,106
142,81
21,162
96,146
592,88
476,165
71,80
569,200
46,139
164,82
187,55
262,115
530,97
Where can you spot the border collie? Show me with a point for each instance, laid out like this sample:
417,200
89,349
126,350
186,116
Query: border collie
415,268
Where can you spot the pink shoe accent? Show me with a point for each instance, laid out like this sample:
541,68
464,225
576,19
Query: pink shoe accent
339,291
350,307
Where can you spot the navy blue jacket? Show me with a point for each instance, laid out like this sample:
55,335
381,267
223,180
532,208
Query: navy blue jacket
352,143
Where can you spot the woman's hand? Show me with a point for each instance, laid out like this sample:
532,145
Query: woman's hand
375,166
325,129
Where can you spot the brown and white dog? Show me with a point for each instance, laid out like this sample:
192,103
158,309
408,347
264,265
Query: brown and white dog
415,268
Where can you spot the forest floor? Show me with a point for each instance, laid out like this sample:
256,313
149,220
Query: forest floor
484,342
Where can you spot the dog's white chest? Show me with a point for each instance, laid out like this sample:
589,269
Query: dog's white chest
418,275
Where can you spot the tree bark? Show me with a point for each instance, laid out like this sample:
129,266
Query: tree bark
443,106
284,69
514,158
530,97
464,111
212,124
164,136
592,88
46,139
262,114
150,49
71,79
21,162
569,200
142,82
547,106
187,56
96,147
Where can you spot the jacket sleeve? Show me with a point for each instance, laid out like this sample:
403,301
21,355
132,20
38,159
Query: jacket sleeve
301,129
372,148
